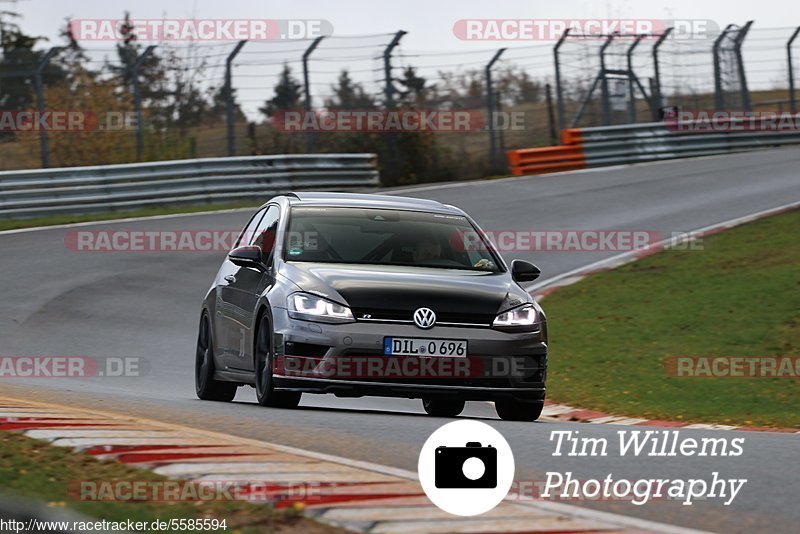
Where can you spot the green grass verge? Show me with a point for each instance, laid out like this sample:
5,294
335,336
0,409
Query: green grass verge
612,332
13,224
33,469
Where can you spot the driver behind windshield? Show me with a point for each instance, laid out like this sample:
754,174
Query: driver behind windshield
427,249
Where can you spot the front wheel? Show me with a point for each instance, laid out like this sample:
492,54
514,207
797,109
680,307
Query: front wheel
206,387
265,386
516,410
443,407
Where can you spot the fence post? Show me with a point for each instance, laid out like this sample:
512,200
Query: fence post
310,135
745,92
718,103
632,103
229,97
792,98
490,110
137,98
387,68
551,123
37,80
393,155
656,96
604,82
559,95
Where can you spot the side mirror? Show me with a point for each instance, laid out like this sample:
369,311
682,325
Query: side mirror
247,256
524,271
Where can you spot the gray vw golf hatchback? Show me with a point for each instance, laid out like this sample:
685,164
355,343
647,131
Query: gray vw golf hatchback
356,294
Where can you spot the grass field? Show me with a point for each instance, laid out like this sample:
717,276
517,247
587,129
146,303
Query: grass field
36,470
612,332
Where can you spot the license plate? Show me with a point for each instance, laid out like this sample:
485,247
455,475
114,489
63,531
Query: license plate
412,346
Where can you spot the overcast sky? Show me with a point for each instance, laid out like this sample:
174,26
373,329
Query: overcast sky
429,22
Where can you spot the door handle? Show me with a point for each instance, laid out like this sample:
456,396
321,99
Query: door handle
230,278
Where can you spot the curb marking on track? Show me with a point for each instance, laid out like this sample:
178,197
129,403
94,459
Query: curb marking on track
565,413
356,495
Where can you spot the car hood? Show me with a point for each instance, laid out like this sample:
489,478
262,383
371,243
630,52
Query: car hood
400,289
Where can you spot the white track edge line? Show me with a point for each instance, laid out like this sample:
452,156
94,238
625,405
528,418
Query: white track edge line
125,220
633,254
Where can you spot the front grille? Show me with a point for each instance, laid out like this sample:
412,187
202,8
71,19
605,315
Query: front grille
405,316
361,353
294,348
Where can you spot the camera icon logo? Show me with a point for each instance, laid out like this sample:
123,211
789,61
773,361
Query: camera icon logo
472,466
463,476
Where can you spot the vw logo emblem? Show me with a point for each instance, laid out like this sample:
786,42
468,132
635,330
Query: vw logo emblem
424,318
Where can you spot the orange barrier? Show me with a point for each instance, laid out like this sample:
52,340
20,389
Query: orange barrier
546,159
571,136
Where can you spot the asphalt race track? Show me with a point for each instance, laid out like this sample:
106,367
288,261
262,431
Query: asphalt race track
125,304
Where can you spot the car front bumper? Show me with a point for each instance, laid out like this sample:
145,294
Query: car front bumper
348,360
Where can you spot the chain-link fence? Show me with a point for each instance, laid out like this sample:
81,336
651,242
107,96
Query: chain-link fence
199,99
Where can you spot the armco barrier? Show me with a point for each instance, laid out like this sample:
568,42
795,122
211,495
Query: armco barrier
546,159
637,143
117,187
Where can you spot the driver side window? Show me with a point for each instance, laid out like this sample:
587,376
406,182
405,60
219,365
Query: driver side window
266,234
247,234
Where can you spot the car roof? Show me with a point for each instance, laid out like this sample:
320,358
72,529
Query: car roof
363,200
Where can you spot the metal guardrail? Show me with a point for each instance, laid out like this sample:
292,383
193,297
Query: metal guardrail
195,181
637,143
617,145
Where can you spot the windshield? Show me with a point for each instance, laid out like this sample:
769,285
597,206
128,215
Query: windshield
386,237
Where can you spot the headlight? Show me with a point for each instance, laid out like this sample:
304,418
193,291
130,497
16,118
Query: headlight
313,308
522,318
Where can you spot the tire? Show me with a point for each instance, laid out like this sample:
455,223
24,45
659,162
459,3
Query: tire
515,410
443,407
206,387
265,387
